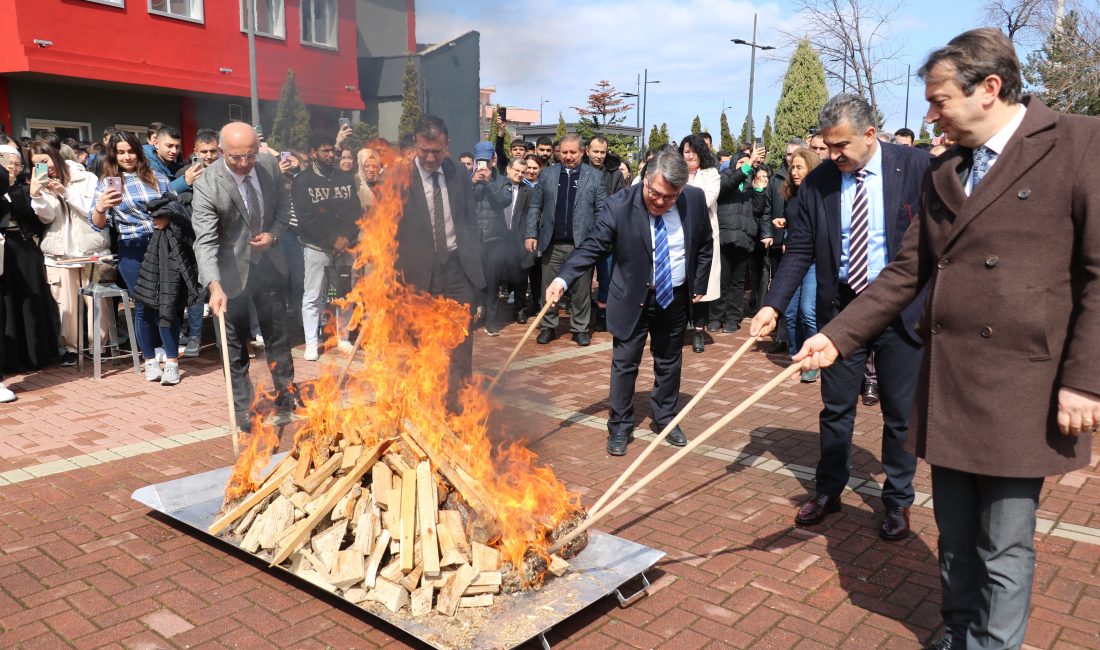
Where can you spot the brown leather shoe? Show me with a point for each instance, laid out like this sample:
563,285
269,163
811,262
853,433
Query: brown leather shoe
814,511
895,524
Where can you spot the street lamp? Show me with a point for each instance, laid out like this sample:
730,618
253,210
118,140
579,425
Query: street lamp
541,102
752,68
645,96
636,107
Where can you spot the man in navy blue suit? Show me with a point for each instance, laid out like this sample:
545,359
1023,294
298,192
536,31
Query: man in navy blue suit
853,212
661,236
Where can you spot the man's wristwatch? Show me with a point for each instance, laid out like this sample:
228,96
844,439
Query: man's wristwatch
274,238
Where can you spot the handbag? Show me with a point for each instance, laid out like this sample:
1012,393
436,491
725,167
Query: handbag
338,281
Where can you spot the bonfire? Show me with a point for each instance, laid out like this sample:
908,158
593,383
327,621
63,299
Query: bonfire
387,496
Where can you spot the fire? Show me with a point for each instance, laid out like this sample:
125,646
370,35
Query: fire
402,375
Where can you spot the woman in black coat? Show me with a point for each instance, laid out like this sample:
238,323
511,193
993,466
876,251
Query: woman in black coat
738,234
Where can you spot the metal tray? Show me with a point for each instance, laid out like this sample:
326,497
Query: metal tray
600,570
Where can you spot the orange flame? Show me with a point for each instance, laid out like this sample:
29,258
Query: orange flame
407,340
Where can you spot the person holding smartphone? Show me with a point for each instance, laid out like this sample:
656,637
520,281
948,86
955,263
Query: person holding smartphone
61,197
120,199
30,324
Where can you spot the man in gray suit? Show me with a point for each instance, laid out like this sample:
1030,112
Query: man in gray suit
563,208
240,209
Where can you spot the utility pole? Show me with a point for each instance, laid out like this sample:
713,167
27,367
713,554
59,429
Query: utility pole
908,78
253,85
752,69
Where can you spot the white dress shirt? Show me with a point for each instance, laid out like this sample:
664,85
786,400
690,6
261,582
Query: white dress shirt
429,194
677,255
997,143
239,179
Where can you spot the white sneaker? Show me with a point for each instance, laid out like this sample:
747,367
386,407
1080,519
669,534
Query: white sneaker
152,370
171,375
258,342
345,346
6,395
311,353
160,355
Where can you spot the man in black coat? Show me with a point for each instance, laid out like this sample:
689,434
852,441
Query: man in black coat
853,211
660,231
438,242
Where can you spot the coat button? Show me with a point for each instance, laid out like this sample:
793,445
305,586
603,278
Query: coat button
942,264
1023,194
987,332
991,261
937,205
936,328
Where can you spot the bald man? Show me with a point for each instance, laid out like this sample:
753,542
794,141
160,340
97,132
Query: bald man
240,209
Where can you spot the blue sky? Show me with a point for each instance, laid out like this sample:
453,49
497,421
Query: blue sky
561,48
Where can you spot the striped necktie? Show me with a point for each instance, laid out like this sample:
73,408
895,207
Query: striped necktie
859,234
252,202
662,265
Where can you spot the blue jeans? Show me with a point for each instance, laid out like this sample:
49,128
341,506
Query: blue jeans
149,335
801,314
194,321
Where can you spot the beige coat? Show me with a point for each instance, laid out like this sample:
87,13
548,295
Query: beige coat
68,232
710,182
1013,312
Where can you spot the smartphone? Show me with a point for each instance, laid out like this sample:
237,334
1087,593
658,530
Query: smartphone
284,156
42,171
344,122
503,112
114,183
759,142
483,164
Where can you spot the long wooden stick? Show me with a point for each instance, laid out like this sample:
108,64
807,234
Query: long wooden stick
515,350
684,451
351,357
671,425
229,386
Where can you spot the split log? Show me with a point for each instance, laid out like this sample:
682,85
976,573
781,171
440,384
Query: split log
450,594
390,594
485,558
421,602
250,517
305,461
487,579
410,581
485,589
343,485
426,503
481,600
381,483
321,474
270,485
558,566
325,544
396,463
408,519
351,456
356,595
380,547
277,518
452,539
347,569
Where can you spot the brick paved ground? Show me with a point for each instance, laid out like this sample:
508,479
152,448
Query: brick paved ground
82,565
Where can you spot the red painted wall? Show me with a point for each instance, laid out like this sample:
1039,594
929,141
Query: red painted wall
130,45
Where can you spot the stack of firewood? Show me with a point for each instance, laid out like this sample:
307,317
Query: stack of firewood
387,522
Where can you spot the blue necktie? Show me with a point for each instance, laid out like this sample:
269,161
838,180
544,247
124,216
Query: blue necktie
662,266
982,157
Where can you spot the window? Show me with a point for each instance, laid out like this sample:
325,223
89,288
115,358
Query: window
319,22
63,129
140,132
185,9
269,18
112,3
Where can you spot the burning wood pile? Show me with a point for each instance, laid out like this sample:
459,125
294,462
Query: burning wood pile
387,496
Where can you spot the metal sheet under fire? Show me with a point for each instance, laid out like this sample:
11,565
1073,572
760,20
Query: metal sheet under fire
605,565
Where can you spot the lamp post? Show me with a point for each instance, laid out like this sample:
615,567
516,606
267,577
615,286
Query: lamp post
252,84
635,96
541,103
752,68
645,96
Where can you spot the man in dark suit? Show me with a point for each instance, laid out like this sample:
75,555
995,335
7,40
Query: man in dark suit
438,242
510,260
660,232
240,208
854,210
564,206
1009,388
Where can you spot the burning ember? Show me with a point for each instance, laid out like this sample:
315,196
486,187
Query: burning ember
387,496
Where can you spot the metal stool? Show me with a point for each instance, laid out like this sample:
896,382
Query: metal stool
98,293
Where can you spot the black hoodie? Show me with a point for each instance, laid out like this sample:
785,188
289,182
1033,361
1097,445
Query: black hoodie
326,206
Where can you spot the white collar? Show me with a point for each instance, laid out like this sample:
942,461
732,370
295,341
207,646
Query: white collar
238,177
1000,139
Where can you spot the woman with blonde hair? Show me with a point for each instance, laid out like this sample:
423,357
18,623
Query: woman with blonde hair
368,172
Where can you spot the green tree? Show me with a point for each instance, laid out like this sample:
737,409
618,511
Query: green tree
746,135
493,132
664,134
605,107
1065,73
923,135
361,135
774,148
292,121
803,95
725,137
654,139
410,100
562,128
696,126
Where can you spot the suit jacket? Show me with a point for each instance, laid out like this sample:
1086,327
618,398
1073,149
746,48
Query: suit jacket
221,223
544,204
518,230
623,226
415,238
1014,302
816,231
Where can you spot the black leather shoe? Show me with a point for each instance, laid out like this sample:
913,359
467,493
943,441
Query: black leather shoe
814,511
617,443
698,342
714,326
583,339
546,335
942,643
599,323
521,317
895,524
676,437
870,393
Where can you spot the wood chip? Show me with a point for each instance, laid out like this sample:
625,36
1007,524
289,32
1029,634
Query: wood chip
558,566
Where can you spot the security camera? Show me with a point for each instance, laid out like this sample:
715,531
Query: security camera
42,43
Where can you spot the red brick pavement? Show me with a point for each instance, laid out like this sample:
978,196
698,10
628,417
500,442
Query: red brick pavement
82,565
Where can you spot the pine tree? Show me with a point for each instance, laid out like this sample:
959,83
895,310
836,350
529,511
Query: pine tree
654,139
696,126
775,151
746,136
725,137
1066,71
923,135
410,100
563,130
292,121
664,134
493,125
803,95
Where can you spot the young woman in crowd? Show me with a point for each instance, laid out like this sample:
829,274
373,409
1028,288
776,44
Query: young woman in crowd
347,160
368,172
801,314
534,168
31,323
703,173
126,213
62,199
624,168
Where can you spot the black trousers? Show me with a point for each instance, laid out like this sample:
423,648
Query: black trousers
497,271
898,361
729,309
665,329
266,290
449,280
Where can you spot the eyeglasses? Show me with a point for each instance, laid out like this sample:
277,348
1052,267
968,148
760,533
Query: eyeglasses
657,196
236,160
